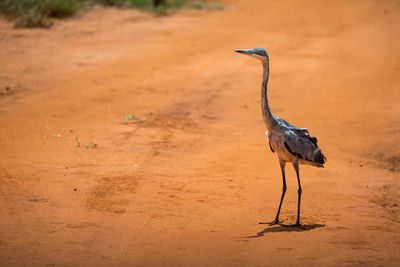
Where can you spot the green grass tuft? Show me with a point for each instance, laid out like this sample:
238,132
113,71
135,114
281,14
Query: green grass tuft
39,13
118,3
33,18
198,5
61,8
159,7
208,6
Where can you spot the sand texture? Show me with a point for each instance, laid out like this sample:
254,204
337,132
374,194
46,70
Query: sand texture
187,182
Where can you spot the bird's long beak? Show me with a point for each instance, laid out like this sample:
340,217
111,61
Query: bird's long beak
248,52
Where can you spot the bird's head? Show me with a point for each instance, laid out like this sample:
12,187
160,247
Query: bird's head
258,53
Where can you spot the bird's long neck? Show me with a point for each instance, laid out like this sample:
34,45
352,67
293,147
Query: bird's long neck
269,119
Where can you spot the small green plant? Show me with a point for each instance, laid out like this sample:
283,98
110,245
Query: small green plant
78,140
208,6
33,18
133,117
141,4
118,3
91,145
156,6
215,6
61,8
198,5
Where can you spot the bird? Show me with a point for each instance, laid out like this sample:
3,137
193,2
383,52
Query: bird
291,144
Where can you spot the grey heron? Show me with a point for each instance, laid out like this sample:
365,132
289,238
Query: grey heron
291,144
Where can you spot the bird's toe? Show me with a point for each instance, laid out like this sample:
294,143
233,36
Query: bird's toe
274,222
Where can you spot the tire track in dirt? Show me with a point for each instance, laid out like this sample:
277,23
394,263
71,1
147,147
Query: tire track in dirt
162,134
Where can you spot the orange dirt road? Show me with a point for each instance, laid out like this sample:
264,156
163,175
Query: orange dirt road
187,184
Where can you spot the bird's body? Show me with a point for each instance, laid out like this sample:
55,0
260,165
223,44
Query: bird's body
291,144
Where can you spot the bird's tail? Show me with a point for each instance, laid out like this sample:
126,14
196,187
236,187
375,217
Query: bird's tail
319,158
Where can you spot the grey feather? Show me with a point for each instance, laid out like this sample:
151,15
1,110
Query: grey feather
271,147
301,144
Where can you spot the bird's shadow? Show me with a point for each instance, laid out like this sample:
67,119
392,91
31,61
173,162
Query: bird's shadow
286,228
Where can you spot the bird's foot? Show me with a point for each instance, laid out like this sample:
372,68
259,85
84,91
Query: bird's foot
276,221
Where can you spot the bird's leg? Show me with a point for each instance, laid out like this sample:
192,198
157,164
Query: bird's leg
296,168
276,221
282,164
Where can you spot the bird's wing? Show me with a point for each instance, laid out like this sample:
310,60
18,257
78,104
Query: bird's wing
301,144
305,133
299,131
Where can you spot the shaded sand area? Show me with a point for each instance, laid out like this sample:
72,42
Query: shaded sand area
187,185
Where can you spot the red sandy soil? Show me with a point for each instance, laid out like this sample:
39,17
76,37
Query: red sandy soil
188,185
